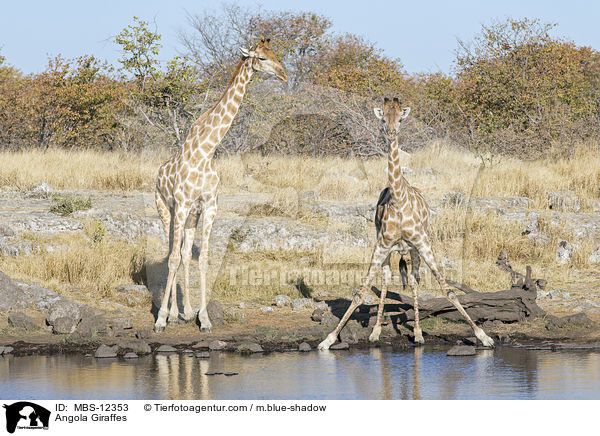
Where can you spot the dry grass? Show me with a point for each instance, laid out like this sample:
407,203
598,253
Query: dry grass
472,239
332,178
79,169
85,263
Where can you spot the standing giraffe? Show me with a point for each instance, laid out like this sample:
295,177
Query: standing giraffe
186,187
403,221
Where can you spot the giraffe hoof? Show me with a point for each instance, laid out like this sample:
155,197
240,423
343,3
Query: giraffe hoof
419,338
159,328
328,342
187,317
487,342
206,329
374,336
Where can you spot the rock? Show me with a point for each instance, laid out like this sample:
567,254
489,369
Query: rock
133,295
564,201
461,350
138,347
283,300
249,347
317,314
201,344
64,326
232,314
353,333
17,248
41,298
215,313
10,297
6,230
538,239
166,349
217,345
266,309
130,355
64,309
21,321
322,305
595,256
578,319
340,346
143,333
91,326
304,347
203,355
6,350
121,323
243,305
588,306
329,320
40,190
564,251
301,303
104,351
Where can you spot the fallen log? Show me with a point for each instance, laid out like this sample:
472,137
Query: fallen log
511,305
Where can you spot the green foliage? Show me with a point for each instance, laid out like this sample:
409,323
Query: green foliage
140,48
66,205
520,90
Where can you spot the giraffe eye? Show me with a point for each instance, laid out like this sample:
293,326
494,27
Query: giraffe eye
262,59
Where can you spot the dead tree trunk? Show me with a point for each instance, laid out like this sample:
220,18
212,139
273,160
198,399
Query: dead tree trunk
511,305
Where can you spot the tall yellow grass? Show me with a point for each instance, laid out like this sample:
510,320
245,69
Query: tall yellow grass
333,178
472,238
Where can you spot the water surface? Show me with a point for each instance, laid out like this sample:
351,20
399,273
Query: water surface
421,373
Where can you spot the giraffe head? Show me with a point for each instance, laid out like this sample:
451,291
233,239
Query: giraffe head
264,60
391,115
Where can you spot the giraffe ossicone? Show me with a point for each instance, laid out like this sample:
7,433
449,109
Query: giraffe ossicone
401,220
186,186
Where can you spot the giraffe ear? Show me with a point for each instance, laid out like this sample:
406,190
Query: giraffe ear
404,113
246,53
378,113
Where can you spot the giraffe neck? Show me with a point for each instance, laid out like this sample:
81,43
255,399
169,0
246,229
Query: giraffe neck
212,126
398,184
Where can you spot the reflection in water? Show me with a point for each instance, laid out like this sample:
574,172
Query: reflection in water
419,373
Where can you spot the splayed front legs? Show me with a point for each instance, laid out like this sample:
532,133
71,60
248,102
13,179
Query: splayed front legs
379,255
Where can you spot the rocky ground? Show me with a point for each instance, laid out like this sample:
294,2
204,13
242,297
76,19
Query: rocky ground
36,319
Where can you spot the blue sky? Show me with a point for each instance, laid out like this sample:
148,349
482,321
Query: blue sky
422,34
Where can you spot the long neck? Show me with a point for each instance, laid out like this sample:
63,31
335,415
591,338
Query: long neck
396,181
212,126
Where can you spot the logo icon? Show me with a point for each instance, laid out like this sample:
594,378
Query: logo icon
26,415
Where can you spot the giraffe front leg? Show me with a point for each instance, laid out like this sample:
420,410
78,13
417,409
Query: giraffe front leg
424,249
417,327
186,257
208,217
387,277
379,255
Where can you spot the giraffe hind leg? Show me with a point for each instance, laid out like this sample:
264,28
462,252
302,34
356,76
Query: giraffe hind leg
208,218
425,251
